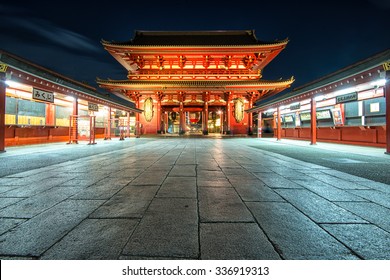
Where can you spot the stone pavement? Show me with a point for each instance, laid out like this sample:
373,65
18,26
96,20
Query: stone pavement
188,198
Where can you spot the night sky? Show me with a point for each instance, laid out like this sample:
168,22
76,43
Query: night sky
324,36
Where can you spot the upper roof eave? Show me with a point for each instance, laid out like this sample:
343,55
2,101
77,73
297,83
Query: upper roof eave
286,82
228,46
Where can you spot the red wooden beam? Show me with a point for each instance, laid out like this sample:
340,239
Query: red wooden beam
2,111
313,121
387,94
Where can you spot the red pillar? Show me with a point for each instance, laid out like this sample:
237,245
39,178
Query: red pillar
313,121
387,94
250,117
75,119
182,118
279,131
158,114
259,127
206,118
128,125
2,111
228,116
50,114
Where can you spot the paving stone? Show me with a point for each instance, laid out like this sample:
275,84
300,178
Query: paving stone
222,205
169,228
128,173
130,202
337,182
368,241
294,235
93,239
28,208
208,166
4,189
213,182
345,176
371,212
237,171
92,174
187,170
150,178
258,167
376,186
186,160
159,167
114,181
318,208
26,191
98,192
278,182
208,174
287,172
257,193
7,224
178,187
7,201
374,196
328,191
232,241
35,236
82,183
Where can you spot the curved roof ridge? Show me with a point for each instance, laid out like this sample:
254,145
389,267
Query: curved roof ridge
193,38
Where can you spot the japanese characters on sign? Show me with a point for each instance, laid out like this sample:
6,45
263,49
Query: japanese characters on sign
3,67
93,107
353,96
43,95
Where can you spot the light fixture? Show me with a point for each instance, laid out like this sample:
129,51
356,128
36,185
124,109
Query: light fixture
12,84
378,83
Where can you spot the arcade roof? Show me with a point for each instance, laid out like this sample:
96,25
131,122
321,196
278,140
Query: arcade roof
20,64
353,70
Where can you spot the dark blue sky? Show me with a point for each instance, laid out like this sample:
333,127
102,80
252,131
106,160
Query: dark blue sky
324,35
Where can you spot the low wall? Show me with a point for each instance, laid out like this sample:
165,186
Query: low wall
15,136
368,136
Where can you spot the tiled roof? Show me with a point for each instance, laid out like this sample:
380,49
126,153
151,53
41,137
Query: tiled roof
54,77
193,38
353,69
195,83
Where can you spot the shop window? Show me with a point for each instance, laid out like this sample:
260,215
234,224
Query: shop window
62,115
324,118
288,121
351,111
31,113
10,110
375,111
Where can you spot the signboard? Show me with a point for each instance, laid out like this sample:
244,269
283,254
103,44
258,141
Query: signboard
297,120
337,116
305,116
93,107
347,98
295,106
288,119
374,107
43,95
3,67
323,115
386,66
